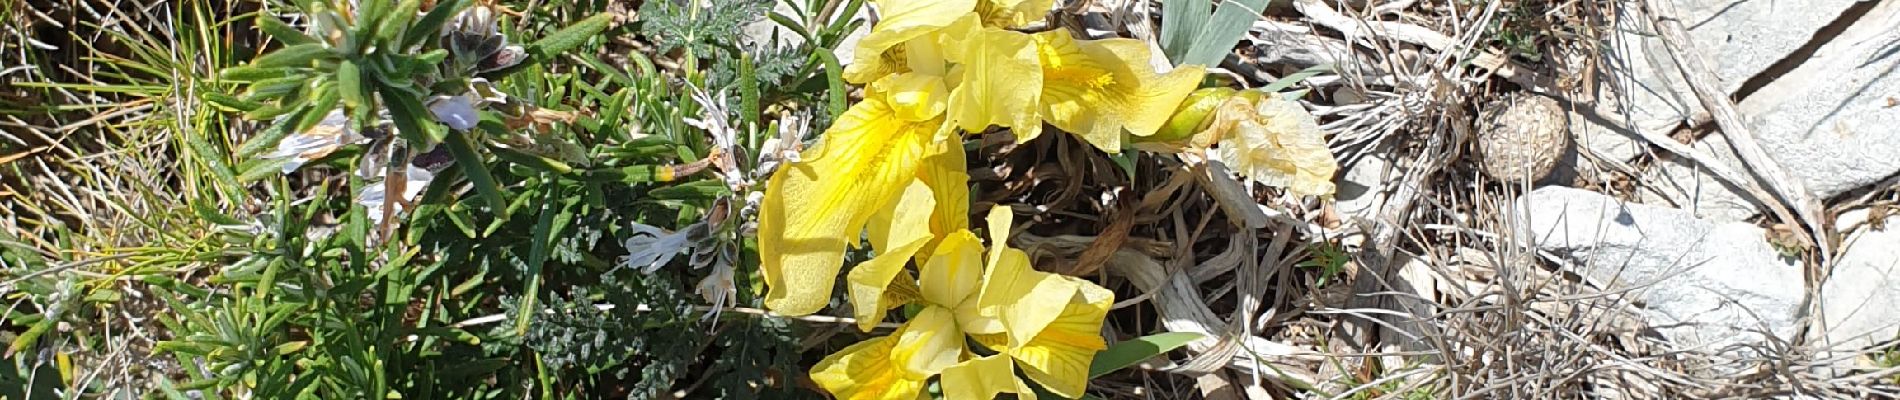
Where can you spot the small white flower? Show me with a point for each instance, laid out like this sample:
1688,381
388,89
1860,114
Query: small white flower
651,247
717,288
331,133
458,112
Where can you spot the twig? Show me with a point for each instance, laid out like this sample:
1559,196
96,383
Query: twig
493,318
1790,193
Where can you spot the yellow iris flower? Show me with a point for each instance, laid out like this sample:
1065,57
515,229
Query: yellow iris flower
1013,13
998,79
863,371
1046,324
1097,89
816,207
902,40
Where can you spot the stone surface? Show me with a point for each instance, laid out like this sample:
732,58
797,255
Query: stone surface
1640,89
1521,137
1860,301
1701,282
1831,122
1358,194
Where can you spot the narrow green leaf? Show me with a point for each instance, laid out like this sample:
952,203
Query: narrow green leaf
412,119
1180,23
537,256
369,17
268,139
695,190
472,166
431,23
228,102
349,84
748,92
834,75
1296,77
530,160
392,31
294,56
1128,353
791,25
277,29
1217,37
570,37
248,73
275,88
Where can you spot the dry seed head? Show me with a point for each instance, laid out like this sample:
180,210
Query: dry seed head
1521,136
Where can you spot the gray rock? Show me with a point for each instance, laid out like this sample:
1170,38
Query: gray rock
1701,282
1640,88
1830,122
1359,187
1860,301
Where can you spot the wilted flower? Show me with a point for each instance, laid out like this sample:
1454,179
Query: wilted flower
1269,138
330,134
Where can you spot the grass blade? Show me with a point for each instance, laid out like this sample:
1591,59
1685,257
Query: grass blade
1125,354
477,172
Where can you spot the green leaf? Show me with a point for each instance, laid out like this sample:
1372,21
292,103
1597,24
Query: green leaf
431,23
392,30
1213,38
412,119
349,84
472,166
268,139
228,102
294,56
249,73
537,256
1128,353
530,160
570,37
275,88
1180,23
695,190
834,81
281,31
1296,77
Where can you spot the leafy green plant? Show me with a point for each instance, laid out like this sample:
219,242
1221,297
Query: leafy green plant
1193,32
1330,259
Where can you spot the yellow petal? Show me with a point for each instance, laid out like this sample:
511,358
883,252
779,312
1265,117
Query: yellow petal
929,343
975,320
902,20
914,96
954,271
998,221
906,219
814,207
1013,13
1059,356
868,281
984,378
949,179
1099,89
1000,83
1277,143
1023,299
864,371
